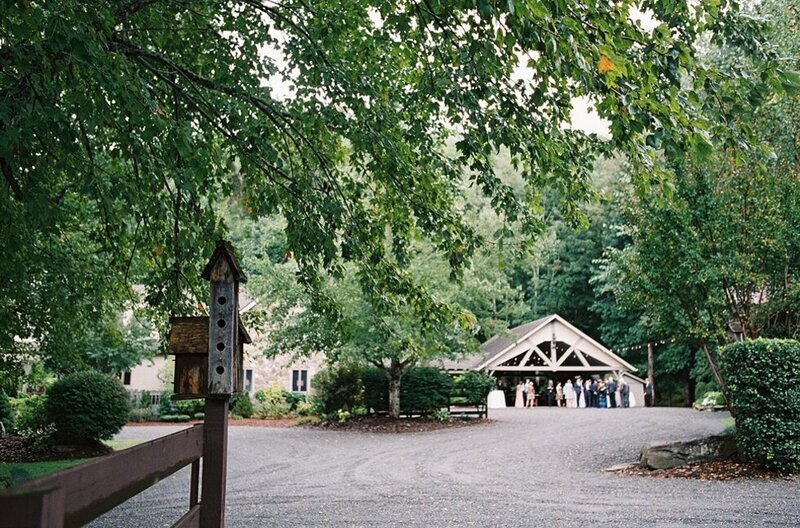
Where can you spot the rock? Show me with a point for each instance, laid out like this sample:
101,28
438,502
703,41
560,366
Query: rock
665,455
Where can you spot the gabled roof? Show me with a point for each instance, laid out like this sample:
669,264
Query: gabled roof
492,347
224,250
500,344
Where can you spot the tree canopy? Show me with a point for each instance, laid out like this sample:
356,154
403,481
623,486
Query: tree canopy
123,125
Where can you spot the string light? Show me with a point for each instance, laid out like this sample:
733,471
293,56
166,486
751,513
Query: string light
644,345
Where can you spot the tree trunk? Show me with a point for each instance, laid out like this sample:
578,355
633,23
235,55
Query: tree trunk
395,373
650,373
723,387
688,388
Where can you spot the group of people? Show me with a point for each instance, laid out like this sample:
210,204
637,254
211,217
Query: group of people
599,393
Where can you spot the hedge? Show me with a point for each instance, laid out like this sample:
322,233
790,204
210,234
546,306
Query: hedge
762,377
422,389
474,387
425,389
337,388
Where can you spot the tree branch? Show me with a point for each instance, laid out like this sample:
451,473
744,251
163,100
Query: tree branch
129,9
12,181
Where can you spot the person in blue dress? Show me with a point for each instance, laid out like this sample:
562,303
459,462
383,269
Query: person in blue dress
601,394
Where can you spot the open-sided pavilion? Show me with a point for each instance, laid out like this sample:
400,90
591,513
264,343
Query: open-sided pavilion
547,348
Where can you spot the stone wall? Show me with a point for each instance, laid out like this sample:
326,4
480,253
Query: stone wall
278,370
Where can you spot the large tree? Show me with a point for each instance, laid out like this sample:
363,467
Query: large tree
121,123
721,253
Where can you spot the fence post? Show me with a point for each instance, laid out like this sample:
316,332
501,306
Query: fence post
226,339
33,508
215,463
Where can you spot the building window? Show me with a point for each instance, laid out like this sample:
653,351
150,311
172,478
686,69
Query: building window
248,381
155,399
299,381
126,378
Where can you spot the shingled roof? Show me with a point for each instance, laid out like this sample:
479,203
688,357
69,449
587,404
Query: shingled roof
493,346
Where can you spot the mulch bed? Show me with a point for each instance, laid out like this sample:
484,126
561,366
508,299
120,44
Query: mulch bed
714,470
384,424
15,448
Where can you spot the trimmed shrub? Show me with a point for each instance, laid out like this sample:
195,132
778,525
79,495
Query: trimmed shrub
272,403
176,418
199,416
87,406
140,415
273,409
190,407
762,377
425,389
337,388
32,420
242,406
474,387
376,389
7,413
422,389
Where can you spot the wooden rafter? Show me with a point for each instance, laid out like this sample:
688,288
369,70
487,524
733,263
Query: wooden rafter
582,358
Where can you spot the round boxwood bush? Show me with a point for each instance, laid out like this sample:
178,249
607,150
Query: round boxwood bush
762,377
87,406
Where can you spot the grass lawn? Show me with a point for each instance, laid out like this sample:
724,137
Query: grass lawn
119,445
13,473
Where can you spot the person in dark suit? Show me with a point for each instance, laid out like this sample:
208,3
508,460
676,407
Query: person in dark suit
611,390
625,393
648,393
551,394
595,394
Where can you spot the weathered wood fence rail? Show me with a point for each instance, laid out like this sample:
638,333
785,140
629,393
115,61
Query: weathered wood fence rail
209,351
77,495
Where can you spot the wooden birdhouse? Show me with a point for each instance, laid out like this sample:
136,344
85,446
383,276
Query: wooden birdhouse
188,342
209,351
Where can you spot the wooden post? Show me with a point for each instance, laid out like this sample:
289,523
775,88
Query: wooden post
37,508
224,347
215,463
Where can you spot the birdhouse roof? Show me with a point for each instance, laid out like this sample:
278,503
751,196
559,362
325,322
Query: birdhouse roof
224,250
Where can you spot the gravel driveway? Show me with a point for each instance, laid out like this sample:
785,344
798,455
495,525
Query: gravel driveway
532,467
